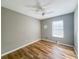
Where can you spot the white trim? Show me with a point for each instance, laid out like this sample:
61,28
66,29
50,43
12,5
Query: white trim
67,45
19,48
59,43
76,52
49,40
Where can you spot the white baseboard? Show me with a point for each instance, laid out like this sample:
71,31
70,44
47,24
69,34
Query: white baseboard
59,43
32,43
76,52
18,48
66,44
49,40
63,44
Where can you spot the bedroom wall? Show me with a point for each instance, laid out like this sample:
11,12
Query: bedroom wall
17,30
68,21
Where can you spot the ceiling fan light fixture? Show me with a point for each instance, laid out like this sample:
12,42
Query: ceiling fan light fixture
43,14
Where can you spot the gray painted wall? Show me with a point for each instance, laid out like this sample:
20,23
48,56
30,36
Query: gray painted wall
76,30
17,30
68,20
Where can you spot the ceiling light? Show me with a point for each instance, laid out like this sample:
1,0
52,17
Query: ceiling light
43,14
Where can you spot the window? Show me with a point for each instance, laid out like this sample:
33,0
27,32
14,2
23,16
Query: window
57,29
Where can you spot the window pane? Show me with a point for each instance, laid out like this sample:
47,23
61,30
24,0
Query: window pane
57,29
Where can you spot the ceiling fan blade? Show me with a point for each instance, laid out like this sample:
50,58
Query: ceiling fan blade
31,6
49,12
36,7
39,5
47,4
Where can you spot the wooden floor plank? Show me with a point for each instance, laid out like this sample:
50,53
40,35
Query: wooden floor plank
43,50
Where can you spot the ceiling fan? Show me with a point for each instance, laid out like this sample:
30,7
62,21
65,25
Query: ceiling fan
38,7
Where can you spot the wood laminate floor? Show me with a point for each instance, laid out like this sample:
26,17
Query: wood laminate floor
43,50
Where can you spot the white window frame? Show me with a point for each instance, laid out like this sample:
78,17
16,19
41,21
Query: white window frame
58,29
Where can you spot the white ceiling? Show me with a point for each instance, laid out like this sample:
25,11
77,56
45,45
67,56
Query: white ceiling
52,7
